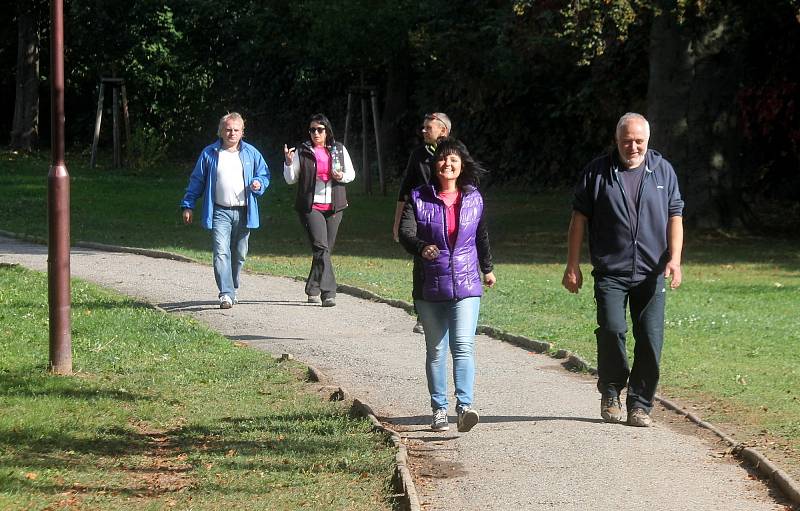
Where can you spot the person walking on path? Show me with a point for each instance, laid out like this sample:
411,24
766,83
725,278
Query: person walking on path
630,201
418,173
443,224
229,175
320,167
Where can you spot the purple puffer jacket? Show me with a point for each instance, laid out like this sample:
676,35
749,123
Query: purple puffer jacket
456,274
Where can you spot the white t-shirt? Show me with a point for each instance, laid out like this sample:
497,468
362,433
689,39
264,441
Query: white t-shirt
229,189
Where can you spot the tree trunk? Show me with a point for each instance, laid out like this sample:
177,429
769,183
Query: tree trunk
395,109
691,109
25,127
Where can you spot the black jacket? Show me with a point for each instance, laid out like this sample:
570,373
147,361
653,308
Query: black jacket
614,247
418,172
307,178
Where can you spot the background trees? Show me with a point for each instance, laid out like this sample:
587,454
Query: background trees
534,87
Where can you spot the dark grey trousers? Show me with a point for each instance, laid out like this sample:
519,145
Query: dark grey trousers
647,300
321,227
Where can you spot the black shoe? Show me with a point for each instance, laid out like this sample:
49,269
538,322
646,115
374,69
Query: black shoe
329,302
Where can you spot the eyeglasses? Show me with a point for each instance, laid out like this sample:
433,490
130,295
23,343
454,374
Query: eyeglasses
434,117
318,129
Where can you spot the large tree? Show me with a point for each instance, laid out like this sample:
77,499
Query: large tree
705,61
25,126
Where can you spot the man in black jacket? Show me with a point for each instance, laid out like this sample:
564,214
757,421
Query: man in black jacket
418,173
631,204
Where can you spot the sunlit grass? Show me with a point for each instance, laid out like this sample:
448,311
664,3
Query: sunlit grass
733,328
161,412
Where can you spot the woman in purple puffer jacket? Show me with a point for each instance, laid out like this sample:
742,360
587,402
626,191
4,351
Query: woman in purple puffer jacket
443,225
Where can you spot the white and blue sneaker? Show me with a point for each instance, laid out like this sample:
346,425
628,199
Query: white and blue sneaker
440,422
225,302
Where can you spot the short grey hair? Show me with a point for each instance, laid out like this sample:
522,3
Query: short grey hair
441,117
629,116
230,116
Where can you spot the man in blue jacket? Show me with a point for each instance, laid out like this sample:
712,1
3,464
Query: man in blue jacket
229,175
631,204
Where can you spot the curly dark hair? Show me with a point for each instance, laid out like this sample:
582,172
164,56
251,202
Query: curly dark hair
471,170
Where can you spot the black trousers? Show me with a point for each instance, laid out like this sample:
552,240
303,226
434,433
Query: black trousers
321,227
647,301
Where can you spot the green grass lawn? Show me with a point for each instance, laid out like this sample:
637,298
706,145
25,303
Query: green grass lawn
163,413
733,328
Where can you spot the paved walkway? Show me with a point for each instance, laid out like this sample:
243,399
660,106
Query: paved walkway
540,443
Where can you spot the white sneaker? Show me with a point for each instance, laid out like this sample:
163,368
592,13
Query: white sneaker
225,302
467,418
439,422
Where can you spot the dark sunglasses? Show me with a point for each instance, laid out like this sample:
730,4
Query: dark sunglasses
319,129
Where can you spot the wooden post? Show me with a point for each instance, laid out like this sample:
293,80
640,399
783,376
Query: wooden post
115,126
376,123
98,118
347,116
364,161
125,119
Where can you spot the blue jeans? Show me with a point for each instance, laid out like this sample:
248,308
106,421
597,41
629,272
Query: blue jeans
646,300
229,234
450,325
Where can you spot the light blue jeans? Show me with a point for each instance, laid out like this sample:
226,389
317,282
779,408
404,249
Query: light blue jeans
450,325
229,234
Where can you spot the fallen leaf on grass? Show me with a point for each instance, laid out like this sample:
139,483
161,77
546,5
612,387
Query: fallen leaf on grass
31,475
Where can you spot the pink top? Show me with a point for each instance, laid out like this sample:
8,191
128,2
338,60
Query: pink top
452,206
323,172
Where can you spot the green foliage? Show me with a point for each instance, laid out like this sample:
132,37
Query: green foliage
146,148
533,88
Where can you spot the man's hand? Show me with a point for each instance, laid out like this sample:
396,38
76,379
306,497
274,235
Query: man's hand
673,270
573,279
187,216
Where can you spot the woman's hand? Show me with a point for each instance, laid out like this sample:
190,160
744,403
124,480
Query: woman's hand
489,279
255,185
430,252
337,175
288,154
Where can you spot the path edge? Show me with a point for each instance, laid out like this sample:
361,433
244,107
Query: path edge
403,481
573,362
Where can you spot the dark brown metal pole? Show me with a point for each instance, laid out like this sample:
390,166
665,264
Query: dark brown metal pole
58,286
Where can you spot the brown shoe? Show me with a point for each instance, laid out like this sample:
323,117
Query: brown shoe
611,409
639,418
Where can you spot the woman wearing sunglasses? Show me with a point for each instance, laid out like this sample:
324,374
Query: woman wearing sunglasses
320,167
443,224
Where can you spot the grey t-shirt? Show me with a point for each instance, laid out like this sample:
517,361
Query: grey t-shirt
632,184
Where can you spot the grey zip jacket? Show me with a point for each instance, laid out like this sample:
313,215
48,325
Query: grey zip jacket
614,247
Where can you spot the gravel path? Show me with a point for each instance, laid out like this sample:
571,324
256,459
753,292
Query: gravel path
540,443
